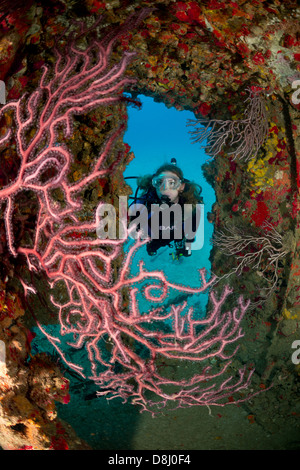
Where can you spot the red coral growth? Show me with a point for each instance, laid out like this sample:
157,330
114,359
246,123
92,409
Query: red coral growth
289,41
258,58
58,442
96,5
261,214
189,13
215,5
233,166
184,47
243,49
235,207
298,174
203,109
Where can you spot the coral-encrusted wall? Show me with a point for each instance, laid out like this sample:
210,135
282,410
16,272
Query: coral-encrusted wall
195,55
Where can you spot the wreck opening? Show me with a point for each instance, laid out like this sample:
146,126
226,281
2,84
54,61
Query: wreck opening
157,134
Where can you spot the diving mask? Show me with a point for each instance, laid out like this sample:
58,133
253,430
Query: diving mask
166,182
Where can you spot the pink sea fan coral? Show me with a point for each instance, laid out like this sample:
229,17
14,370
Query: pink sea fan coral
244,136
129,350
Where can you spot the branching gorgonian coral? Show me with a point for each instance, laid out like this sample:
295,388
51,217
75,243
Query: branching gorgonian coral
244,136
262,252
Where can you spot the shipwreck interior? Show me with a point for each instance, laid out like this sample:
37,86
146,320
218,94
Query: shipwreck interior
100,347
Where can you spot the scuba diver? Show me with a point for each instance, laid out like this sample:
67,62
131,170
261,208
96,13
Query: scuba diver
168,189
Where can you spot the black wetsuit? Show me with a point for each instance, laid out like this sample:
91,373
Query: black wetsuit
167,234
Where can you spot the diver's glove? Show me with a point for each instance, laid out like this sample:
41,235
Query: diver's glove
181,249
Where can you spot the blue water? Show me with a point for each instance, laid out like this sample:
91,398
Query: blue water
155,135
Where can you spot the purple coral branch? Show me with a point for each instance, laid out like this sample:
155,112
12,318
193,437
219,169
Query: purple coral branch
245,136
52,105
262,252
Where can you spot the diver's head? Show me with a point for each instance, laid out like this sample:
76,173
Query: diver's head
169,183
